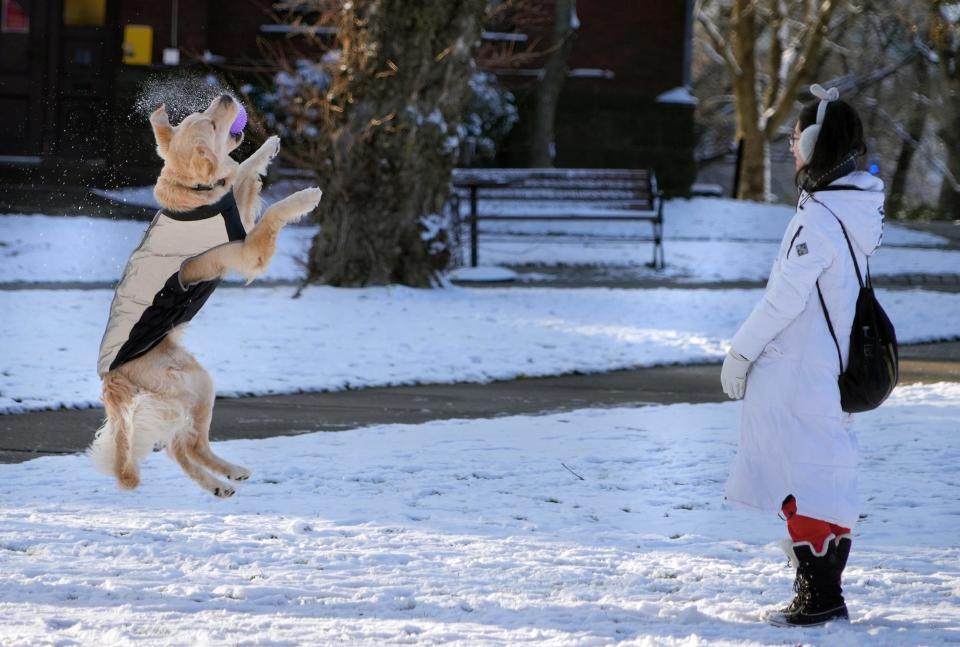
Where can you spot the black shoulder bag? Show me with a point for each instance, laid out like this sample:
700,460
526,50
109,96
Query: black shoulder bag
873,364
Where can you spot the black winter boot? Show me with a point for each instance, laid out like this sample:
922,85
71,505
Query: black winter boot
819,596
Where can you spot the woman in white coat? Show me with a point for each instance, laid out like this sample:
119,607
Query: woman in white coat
797,453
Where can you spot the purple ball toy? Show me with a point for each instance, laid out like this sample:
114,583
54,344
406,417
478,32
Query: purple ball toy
240,122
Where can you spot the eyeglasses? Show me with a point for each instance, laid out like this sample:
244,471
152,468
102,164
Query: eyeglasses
794,138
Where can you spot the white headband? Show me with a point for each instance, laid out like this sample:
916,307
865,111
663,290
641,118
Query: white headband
825,96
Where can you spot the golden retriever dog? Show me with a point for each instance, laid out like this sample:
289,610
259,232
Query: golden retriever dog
154,391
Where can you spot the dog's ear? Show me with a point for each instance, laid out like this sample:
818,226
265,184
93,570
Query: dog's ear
162,130
204,163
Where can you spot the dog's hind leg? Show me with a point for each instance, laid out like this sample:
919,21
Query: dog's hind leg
180,450
202,415
118,394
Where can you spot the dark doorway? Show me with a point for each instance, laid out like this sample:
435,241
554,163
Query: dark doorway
88,56
24,47
57,62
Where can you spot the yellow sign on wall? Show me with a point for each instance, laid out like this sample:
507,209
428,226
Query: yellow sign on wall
84,13
138,44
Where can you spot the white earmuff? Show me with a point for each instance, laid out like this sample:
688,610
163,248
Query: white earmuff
807,142
808,137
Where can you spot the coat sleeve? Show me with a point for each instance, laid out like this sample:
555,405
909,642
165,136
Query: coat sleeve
810,252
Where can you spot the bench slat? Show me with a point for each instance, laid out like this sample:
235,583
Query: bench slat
543,208
563,191
612,183
460,174
640,216
604,200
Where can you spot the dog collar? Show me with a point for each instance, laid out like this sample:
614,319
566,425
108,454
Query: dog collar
206,187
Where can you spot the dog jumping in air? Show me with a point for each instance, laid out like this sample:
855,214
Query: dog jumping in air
154,391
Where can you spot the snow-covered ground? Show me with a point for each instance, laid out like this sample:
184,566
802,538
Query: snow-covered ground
464,532
696,218
693,261
260,340
474,533
80,249
707,240
693,219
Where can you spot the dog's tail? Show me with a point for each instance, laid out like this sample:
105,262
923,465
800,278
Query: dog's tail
136,423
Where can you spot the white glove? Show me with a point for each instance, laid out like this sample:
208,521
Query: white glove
733,375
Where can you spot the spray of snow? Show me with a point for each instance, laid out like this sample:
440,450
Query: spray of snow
182,95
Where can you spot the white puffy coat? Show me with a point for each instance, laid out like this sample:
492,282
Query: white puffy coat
794,437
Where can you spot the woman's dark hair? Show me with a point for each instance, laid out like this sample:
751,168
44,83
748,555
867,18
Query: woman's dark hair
840,139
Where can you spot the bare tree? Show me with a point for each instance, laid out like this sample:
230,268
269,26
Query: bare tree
882,59
916,124
565,24
372,105
402,86
371,98
766,90
945,35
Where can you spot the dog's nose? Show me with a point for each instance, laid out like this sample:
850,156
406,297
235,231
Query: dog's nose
226,98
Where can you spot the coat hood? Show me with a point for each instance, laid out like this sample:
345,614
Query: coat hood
859,207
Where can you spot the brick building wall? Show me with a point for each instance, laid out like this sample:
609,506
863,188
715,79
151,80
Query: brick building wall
227,28
617,122
642,43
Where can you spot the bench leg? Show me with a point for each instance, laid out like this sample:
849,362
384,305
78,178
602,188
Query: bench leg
658,262
457,226
658,250
474,233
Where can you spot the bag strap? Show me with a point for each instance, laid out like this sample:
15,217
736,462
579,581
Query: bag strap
826,314
853,256
838,187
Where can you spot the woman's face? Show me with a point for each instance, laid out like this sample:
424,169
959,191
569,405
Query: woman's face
794,147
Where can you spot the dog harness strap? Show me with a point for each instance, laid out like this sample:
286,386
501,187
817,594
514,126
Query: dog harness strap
225,207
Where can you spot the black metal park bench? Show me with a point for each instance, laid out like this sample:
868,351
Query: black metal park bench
561,195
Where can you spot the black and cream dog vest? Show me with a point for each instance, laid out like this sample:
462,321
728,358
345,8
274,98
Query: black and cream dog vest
150,300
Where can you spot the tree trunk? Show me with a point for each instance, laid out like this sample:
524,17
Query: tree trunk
403,86
915,127
543,145
754,170
744,36
760,118
949,202
944,33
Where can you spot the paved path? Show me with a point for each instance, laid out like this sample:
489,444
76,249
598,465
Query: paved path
553,277
29,435
636,278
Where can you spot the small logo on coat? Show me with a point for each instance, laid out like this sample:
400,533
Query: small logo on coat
802,249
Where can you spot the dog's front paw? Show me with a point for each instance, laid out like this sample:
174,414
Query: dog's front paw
272,145
223,491
306,200
291,209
